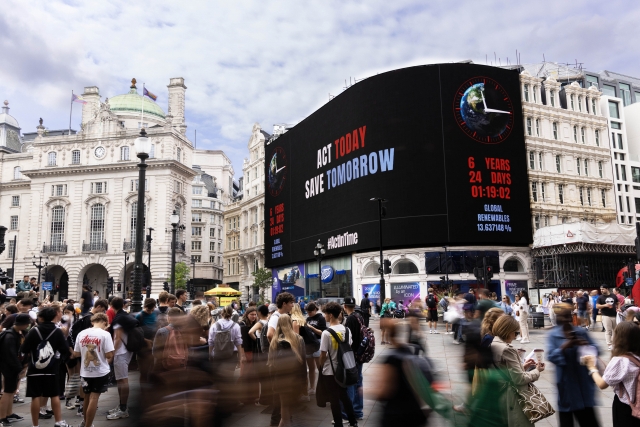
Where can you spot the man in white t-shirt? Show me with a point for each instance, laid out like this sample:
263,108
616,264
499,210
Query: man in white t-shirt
122,322
329,362
94,347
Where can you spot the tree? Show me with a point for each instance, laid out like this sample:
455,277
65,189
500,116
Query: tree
262,279
182,275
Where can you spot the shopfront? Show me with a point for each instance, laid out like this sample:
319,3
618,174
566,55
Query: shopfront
335,280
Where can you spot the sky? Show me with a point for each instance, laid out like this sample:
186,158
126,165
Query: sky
278,61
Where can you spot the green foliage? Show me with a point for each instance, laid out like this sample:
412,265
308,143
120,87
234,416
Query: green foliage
262,279
182,275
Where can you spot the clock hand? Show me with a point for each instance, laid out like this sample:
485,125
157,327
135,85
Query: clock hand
490,110
278,170
483,101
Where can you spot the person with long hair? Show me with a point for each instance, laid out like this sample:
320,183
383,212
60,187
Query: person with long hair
505,305
69,318
387,310
287,364
575,388
523,309
299,325
248,377
621,373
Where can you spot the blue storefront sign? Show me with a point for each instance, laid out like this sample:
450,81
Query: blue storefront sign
327,273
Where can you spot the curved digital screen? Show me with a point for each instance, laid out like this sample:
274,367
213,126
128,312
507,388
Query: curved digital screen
443,144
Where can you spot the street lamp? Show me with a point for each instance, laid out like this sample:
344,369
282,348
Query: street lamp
143,147
40,266
319,252
175,220
124,285
381,214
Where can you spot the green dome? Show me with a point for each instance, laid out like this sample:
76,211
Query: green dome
132,102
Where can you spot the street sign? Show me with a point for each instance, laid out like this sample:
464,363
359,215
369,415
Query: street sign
47,286
628,281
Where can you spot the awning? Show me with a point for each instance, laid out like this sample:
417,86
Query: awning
223,291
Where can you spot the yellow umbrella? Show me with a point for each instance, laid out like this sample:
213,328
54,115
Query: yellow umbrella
223,290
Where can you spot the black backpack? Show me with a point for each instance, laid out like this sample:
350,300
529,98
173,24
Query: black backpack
346,373
311,341
44,354
431,301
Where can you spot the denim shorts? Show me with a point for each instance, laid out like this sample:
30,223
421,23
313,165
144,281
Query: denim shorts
316,354
582,314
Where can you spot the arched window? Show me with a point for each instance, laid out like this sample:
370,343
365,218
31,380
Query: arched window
405,267
371,270
17,172
513,265
57,228
96,238
52,158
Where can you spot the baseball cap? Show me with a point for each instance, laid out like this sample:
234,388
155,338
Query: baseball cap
349,301
22,319
272,308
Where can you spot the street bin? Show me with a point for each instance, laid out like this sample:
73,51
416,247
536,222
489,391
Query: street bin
537,319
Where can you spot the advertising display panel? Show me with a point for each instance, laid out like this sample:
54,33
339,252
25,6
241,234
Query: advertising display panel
443,144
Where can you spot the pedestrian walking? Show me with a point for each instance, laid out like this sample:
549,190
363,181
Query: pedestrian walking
607,304
122,324
353,322
523,312
317,323
431,302
248,374
582,306
258,333
365,308
11,365
387,310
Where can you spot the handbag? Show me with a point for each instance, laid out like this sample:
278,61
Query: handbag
535,406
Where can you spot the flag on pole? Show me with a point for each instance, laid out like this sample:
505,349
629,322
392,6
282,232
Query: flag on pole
76,98
145,92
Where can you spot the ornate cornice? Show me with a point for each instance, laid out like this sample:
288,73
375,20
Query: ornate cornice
172,165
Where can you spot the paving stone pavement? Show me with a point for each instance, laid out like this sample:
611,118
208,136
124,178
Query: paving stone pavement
446,356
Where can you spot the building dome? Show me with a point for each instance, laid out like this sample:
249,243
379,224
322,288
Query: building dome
6,118
133,102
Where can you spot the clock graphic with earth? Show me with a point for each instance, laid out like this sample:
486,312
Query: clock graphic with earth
277,171
483,110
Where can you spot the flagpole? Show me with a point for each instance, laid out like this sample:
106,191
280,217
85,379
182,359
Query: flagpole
70,112
142,114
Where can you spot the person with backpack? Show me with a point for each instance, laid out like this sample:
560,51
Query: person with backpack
332,363
161,311
11,366
432,311
444,305
287,366
355,323
94,347
46,345
169,350
317,324
258,333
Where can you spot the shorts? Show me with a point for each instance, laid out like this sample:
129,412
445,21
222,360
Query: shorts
432,315
11,381
582,314
42,386
316,354
95,385
121,365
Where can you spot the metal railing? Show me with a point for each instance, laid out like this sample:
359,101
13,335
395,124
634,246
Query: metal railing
59,248
131,246
181,247
94,247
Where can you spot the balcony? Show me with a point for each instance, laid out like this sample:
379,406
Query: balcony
131,246
55,248
94,247
180,247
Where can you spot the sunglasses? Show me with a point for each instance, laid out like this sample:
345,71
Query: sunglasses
517,333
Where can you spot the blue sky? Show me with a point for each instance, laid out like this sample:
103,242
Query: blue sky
278,61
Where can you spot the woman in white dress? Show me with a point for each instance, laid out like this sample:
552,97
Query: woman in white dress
523,309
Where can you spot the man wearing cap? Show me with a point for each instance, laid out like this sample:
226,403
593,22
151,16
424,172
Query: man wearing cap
352,321
11,365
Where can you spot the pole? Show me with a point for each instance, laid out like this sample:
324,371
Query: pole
124,285
173,258
320,276
149,240
142,109
136,303
70,112
13,260
383,288
446,266
484,272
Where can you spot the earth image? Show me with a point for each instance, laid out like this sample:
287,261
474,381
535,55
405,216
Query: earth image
273,167
472,111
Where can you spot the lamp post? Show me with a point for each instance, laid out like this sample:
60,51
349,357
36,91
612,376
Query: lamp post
149,240
124,285
319,252
381,214
143,147
175,220
40,266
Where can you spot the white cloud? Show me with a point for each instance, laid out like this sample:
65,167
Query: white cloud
277,61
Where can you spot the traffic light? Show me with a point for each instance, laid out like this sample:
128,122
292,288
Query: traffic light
572,276
119,287
443,280
586,272
478,272
581,274
489,272
387,266
165,286
148,291
109,285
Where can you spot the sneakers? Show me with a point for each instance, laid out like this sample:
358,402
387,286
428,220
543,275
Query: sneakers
610,347
311,392
304,398
343,422
430,331
13,418
525,342
114,410
44,415
69,404
118,414
17,399
456,342
436,332
62,423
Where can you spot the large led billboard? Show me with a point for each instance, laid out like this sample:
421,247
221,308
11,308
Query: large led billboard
444,144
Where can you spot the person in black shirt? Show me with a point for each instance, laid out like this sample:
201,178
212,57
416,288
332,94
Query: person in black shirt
365,308
582,303
317,323
607,304
354,317
11,366
86,300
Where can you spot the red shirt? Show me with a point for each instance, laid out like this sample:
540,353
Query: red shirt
111,314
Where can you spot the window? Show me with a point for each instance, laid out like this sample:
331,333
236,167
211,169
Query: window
196,203
579,103
603,195
532,160
620,156
535,90
540,156
597,138
586,167
625,93
196,245
197,190
529,132
546,221
561,193
196,217
613,139
622,219
536,222
589,196
537,127
620,146
124,152
581,191
52,158
613,110
628,206
212,259
582,135
177,187
134,220
615,125
212,246
75,157
620,204
609,90
592,81
623,169
575,134
178,154
98,188
212,232
96,237
526,93
59,190
134,185
573,107
196,258
14,222
152,151
553,98
594,110
212,218
15,200
405,267
578,166
143,125
12,248
17,172
635,175
196,231
617,173
558,162
555,130
600,171
542,191
534,191
57,226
